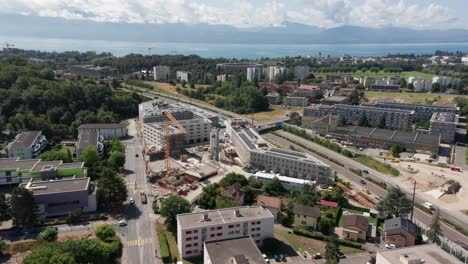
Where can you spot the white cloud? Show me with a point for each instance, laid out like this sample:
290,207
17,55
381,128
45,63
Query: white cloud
243,13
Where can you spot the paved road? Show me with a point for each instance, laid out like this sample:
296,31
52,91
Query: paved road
140,237
420,216
460,157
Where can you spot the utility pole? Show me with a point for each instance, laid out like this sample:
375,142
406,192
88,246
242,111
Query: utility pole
414,196
149,51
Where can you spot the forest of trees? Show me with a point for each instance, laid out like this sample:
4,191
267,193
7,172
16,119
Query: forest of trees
32,98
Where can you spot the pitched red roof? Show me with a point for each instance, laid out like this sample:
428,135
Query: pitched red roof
327,203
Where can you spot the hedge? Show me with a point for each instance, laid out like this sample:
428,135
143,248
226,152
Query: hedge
342,242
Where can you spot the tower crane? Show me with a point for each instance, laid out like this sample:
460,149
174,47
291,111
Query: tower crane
168,117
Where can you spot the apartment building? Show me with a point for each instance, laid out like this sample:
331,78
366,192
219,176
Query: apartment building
15,170
194,230
320,110
445,125
332,100
428,253
89,138
296,101
421,86
400,232
182,76
107,131
306,216
394,118
288,182
446,81
254,152
161,73
236,251
272,71
254,74
301,72
421,111
27,145
221,77
61,197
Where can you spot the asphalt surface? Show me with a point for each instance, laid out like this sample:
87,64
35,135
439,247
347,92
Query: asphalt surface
460,157
140,237
420,216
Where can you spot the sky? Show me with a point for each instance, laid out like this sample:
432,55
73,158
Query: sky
416,14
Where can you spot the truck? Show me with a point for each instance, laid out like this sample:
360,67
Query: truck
143,197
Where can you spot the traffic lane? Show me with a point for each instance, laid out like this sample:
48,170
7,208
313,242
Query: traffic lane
455,217
421,216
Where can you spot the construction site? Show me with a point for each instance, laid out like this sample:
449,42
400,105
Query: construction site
183,147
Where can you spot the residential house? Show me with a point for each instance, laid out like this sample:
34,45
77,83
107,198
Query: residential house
271,203
234,193
355,227
27,145
306,216
400,232
429,253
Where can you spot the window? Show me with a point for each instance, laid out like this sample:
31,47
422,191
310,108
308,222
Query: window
188,245
258,228
253,229
188,232
212,235
195,237
219,234
219,227
195,231
195,244
253,223
188,252
212,228
188,239
258,222
231,226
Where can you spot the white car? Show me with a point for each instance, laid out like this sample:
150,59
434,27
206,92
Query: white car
123,222
265,258
390,246
132,201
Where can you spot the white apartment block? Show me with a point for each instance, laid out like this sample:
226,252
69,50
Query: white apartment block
183,76
272,71
107,131
221,77
464,60
446,81
288,182
445,125
27,145
254,74
296,101
254,152
420,110
161,73
422,86
194,229
301,72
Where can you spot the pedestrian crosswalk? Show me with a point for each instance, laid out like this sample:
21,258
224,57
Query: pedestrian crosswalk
138,242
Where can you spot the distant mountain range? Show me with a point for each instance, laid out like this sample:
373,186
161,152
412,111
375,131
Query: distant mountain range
290,33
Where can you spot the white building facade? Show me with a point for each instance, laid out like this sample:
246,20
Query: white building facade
161,73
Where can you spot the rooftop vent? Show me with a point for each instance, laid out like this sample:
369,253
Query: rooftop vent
205,218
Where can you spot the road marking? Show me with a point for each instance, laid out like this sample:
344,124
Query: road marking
139,242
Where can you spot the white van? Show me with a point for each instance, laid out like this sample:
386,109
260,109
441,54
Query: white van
428,206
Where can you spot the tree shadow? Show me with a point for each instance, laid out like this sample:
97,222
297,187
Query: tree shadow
274,246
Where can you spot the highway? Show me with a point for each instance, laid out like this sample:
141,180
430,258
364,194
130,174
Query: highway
140,237
420,216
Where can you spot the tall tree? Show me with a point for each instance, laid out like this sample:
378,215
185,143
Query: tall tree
116,159
50,234
90,157
434,229
331,251
383,121
173,206
363,121
22,207
4,208
232,178
111,189
274,187
394,203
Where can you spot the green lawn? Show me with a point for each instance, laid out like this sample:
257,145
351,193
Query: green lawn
167,243
381,74
377,165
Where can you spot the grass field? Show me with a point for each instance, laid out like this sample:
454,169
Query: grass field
377,165
275,112
382,74
412,98
167,243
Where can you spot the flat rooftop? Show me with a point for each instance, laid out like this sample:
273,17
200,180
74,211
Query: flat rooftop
264,174
415,106
25,139
335,98
47,164
430,253
102,126
372,108
88,138
243,250
18,164
223,216
444,117
58,186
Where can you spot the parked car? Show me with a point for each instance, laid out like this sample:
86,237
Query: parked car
365,171
123,222
193,187
277,258
283,257
132,201
363,182
265,258
390,246
317,255
341,255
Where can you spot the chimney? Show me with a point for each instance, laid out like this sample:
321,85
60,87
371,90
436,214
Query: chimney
205,217
237,213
